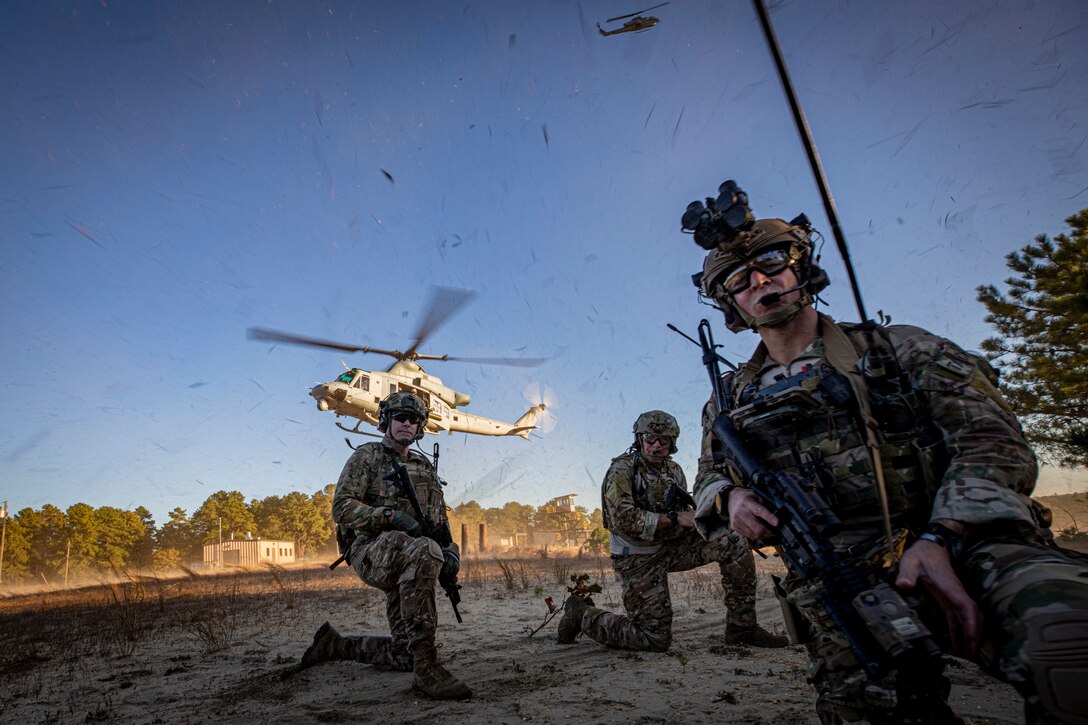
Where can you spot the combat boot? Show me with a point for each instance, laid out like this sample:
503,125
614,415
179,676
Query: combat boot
570,624
754,636
433,679
328,645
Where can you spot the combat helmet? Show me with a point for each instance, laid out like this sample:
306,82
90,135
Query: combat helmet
657,422
731,238
402,402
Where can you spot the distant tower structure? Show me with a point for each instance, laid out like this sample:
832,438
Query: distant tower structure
570,528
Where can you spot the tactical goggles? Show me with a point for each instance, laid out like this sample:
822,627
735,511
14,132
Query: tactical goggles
769,263
403,417
652,440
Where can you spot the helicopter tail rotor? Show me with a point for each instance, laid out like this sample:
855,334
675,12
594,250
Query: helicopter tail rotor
544,401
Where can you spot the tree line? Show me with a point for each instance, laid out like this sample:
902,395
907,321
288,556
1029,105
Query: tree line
48,543
1040,349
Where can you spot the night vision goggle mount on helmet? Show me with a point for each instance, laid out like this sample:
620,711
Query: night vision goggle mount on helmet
728,230
719,220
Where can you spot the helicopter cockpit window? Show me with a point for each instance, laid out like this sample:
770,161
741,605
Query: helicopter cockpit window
345,378
363,382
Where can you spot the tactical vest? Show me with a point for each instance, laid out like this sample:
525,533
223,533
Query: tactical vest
424,480
648,495
811,424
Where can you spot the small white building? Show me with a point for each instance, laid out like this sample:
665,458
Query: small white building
250,552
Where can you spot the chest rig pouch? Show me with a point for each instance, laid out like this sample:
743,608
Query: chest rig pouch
810,424
424,481
648,492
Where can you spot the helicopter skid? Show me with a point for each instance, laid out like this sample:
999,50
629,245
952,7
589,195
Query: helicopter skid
353,430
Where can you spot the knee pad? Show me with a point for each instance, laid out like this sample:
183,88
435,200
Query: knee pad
1058,653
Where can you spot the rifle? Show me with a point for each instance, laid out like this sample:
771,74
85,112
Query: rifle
677,499
439,533
343,546
882,629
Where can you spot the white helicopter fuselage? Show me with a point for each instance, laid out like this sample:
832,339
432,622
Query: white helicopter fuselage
358,393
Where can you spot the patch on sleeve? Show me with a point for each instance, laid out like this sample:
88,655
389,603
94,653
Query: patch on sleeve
955,365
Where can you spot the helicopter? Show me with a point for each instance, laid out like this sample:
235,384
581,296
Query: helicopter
356,393
636,24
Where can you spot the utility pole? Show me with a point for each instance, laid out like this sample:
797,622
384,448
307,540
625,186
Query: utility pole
219,553
67,555
3,534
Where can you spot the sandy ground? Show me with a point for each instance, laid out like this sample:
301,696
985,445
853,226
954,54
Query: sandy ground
1068,510
220,649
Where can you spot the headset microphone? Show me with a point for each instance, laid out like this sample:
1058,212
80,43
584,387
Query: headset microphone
773,297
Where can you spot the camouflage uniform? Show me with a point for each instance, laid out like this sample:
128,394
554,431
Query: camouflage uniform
632,516
950,449
405,568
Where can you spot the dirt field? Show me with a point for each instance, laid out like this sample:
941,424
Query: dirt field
219,649
1070,512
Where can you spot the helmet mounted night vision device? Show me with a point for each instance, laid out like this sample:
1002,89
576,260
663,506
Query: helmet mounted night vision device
734,238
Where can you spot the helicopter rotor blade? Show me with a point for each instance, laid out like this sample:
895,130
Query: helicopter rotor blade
263,333
517,362
631,15
444,303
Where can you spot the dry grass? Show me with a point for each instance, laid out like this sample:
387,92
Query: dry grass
118,617
125,622
208,647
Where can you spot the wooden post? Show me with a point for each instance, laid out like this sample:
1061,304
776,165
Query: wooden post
483,538
464,539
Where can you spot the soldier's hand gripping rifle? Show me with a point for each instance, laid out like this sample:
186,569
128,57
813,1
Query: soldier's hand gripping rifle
676,500
883,631
439,533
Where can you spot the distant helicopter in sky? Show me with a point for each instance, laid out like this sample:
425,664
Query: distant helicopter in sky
636,24
356,393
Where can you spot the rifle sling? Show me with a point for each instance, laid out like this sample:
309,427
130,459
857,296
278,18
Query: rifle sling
843,356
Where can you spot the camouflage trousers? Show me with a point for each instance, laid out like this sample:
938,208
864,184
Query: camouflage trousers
406,569
1034,603
645,580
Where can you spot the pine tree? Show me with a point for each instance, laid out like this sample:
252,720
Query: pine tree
1041,348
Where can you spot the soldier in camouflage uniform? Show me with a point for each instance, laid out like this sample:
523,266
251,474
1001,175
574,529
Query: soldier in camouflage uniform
956,470
652,536
385,547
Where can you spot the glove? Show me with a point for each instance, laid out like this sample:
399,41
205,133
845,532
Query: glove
450,566
403,522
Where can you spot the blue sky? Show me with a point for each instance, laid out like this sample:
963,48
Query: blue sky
176,172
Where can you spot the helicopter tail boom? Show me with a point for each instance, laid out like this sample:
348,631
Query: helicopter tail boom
526,423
